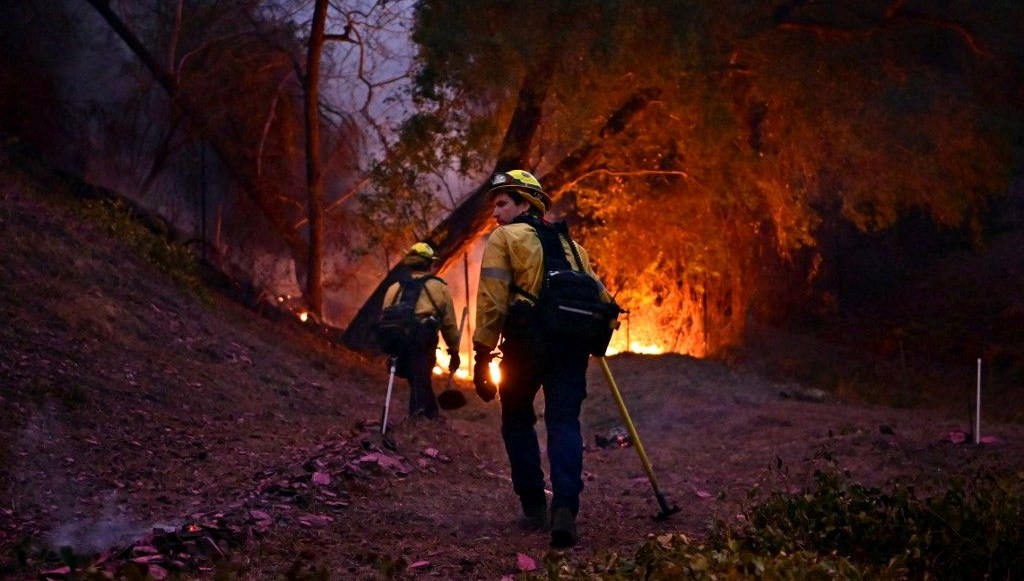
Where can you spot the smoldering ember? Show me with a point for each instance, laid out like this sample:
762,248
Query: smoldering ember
800,350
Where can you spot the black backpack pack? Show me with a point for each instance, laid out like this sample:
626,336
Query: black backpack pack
399,328
569,305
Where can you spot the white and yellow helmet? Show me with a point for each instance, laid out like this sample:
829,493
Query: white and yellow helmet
523,183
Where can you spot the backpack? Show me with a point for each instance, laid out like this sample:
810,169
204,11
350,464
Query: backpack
398,327
569,305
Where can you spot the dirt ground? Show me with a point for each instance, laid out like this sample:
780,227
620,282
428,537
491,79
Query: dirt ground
130,410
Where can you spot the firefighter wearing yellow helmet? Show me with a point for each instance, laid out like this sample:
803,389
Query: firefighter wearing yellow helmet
511,277
435,311
421,250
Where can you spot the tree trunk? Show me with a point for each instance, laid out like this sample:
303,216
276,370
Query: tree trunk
314,172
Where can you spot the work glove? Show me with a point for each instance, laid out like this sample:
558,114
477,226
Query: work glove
455,361
485,388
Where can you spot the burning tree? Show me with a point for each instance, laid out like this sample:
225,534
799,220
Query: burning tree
714,177
774,128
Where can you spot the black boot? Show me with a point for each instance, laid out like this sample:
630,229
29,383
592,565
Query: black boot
534,518
563,528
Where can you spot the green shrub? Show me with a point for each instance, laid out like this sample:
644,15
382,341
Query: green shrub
176,261
972,531
674,556
841,530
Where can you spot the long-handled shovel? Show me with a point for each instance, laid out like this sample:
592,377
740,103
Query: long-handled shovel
387,398
453,399
666,511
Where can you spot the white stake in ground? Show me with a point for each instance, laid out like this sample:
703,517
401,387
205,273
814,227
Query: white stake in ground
977,408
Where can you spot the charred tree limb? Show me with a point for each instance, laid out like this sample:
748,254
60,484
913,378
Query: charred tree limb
639,173
959,29
470,218
295,242
896,11
569,169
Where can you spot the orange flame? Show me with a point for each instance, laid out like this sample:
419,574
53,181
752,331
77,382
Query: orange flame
495,372
648,344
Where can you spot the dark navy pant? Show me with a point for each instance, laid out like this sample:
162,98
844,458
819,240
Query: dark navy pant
562,372
417,365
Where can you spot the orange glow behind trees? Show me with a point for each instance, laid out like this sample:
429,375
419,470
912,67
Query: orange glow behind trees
774,126
767,133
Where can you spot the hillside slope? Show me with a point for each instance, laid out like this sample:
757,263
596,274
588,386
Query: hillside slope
154,431
124,394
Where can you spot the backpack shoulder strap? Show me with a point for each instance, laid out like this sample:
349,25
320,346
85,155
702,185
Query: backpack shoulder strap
423,283
550,235
563,230
409,290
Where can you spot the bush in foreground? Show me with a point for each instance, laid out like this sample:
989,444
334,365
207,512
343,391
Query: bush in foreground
842,530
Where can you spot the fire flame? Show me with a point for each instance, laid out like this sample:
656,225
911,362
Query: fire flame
495,372
617,346
647,331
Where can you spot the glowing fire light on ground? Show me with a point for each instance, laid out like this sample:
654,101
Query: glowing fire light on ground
615,348
649,331
647,339
637,347
441,367
464,370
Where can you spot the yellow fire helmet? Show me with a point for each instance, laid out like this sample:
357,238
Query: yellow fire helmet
423,250
524,184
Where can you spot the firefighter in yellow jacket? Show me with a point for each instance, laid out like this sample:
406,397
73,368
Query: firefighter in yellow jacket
511,276
435,311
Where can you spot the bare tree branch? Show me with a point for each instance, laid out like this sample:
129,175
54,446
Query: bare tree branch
894,11
200,123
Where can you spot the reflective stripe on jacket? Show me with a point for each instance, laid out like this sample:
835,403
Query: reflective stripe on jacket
438,291
513,255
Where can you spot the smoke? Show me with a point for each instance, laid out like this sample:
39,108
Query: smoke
41,482
111,528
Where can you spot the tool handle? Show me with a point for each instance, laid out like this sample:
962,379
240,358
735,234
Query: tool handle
387,398
462,321
462,326
629,425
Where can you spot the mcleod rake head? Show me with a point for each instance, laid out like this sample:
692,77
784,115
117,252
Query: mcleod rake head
666,511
